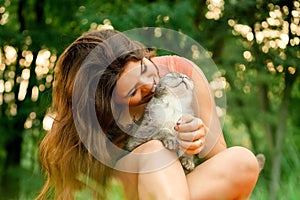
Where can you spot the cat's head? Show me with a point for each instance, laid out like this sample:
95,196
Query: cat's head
176,83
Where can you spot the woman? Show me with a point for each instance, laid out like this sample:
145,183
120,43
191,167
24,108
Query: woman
107,76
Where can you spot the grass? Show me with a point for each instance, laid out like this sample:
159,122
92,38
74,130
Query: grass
289,188
31,182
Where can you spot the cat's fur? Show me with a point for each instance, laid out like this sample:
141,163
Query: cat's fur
173,98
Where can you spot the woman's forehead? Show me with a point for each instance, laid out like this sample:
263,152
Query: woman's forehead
131,66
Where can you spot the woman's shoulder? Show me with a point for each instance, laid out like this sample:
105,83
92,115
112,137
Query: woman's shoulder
168,58
173,63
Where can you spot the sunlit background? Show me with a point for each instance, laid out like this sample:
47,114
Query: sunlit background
258,69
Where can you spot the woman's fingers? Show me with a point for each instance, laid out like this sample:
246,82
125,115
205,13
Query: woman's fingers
188,123
192,147
191,134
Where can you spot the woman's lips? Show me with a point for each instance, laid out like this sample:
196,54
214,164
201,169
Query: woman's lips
148,97
154,86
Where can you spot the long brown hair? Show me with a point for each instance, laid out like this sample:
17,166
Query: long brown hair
86,71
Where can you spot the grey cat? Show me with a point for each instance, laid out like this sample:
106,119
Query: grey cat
172,98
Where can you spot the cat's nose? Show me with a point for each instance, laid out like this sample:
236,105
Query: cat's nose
187,81
146,83
183,76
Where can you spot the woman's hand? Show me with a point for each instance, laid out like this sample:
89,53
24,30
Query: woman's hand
191,134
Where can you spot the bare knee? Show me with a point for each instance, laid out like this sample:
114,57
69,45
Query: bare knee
149,147
230,174
242,173
153,156
245,159
146,155
247,168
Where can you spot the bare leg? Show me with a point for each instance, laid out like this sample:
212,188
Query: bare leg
230,174
168,181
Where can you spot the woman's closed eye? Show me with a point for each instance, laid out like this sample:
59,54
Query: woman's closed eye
143,67
132,92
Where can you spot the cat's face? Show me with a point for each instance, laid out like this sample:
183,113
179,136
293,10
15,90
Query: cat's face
177,83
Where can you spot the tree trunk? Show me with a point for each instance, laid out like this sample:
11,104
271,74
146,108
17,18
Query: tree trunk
10,186
279,140
283,114
265,107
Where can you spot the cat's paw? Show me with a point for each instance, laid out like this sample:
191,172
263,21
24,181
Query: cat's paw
168,138
187,163
131,145
170,143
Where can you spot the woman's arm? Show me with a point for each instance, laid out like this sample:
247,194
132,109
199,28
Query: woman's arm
192,128
206,111
204,107
237,176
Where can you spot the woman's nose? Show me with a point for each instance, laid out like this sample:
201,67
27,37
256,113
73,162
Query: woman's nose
145,83
146,88
146,79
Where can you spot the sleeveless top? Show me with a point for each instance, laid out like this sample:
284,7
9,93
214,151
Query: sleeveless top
167,64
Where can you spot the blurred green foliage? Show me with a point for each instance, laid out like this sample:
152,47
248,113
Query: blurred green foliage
255,45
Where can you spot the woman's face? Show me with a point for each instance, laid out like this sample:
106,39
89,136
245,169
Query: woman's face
136,83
